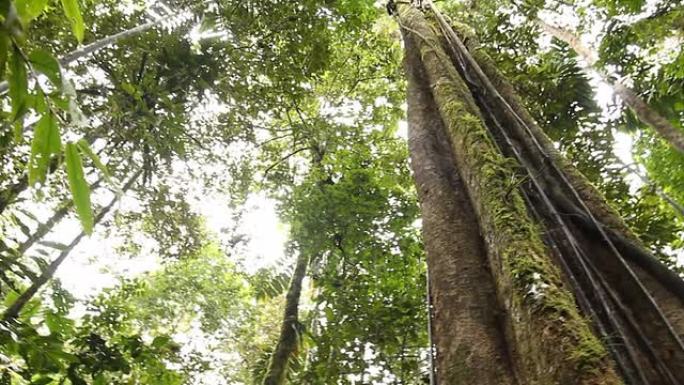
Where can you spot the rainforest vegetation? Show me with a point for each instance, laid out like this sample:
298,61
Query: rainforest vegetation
443,192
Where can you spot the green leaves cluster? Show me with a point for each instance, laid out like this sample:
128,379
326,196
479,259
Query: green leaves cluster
54,106
315,90
45,347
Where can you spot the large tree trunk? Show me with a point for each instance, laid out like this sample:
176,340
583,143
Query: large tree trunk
645,298
643,111
288,341
466,325
517,185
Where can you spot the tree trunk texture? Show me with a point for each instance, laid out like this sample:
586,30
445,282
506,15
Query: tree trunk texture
643,111
552,244
466,326
288,342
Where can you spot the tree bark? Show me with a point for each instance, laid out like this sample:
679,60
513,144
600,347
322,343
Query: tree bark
624,289
643,111
665,285
546,337
466,325
288,340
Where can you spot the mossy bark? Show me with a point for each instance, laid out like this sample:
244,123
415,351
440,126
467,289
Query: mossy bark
662,284
288,341
548,340
466,325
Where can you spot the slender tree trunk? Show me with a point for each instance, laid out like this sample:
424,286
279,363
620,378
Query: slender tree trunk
643,111
676,206
288,342
96,46
8,195
109,40
13,255
13,311
44,228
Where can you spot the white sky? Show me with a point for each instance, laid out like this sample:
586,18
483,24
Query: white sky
95,263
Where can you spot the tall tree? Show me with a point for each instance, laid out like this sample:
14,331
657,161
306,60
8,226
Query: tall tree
537,278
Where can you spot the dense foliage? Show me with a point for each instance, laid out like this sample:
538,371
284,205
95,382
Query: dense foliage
128,138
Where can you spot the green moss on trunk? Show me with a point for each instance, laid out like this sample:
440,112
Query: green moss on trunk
656,279
551,343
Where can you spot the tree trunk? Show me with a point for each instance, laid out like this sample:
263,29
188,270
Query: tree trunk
643,111
667,287
12,256
552,242
645,294
288,341
466,325
44,228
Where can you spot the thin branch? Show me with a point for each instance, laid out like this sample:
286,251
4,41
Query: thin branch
12,312
281,160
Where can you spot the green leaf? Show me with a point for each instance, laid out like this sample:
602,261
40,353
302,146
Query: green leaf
46,141
85,149
55,245
18,84
10,298
100,379
42,381
80,191
18,131
58,324
73,13
30,9
46,64
161,341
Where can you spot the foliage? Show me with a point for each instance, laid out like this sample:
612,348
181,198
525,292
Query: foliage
45,346
300,100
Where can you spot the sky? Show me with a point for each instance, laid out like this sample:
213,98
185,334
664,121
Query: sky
96,263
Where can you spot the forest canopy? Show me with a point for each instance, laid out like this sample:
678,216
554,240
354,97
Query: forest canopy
273,191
